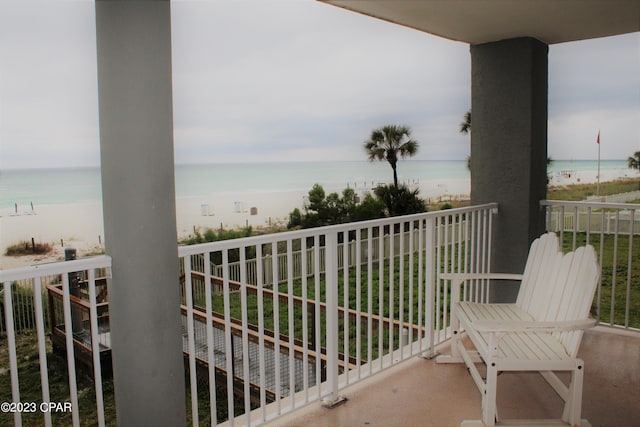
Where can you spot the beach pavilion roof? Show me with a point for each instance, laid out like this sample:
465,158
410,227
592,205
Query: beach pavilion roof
476,22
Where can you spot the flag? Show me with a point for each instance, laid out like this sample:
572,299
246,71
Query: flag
598,140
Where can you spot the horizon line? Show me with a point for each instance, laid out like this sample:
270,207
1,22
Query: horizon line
281,162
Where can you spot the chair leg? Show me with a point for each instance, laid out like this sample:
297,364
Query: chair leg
454,356
489,410
573,405
455,353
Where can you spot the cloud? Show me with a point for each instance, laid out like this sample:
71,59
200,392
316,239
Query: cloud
258,80
594,86
599,73
318,71
48,88
573,136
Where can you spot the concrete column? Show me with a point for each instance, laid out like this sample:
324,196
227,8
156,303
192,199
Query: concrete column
509,145
138,190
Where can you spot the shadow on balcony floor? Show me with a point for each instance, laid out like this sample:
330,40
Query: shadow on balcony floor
421,393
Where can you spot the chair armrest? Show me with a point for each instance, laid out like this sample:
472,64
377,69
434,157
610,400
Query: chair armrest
532,326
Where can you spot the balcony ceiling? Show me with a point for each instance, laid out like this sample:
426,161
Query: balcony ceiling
482,21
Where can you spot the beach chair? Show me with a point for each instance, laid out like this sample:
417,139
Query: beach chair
541,331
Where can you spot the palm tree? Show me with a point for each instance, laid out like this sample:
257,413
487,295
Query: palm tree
389,142
634,161
465,128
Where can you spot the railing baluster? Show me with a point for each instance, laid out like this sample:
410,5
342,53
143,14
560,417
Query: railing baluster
345,299
358,263
421,264
601,258
305,319
576,219
191,340
489,244
392,244
411,265
401,293
208,294
246,374
42,352
381,247
467,249
370,298
614,268
430,283
331,276
11,342
261,352
473,292
438,270
629,269
291,324
228,340
446,269
95,345
71,365
276,325
317,328
485,268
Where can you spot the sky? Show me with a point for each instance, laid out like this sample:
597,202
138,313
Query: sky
292,80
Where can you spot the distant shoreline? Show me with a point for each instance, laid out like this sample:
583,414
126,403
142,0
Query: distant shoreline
55,186
80,225
71,167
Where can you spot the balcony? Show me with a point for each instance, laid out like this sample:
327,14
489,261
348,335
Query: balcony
275,325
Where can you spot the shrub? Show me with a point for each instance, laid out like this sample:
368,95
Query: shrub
401,200
29,248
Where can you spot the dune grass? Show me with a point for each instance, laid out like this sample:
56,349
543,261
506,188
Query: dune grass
29,248
577,192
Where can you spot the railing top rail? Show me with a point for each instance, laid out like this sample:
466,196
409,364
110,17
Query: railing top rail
57,267
629,206
310,232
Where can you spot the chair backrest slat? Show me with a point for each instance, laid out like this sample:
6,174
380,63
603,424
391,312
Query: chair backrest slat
544,254
558,287
578,291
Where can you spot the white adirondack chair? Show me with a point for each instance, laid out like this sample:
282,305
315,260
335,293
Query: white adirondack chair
540,332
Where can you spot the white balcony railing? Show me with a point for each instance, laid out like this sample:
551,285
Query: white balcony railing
614,230
270,323
293,317
73,319
297,316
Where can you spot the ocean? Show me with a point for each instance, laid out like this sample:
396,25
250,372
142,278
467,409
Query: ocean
75,185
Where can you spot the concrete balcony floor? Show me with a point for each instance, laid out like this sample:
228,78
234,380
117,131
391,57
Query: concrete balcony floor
419,392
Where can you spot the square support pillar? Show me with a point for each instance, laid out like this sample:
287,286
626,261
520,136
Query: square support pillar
138,189
509,146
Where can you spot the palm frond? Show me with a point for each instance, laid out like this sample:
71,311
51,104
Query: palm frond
634,161
465,126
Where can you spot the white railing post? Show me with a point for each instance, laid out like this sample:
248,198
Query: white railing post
430,281
42,353
188,287
71,366
13,358
331,279
95,344
208,292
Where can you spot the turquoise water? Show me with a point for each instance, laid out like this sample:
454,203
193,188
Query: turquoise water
74,185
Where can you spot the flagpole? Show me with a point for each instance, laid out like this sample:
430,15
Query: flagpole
598,185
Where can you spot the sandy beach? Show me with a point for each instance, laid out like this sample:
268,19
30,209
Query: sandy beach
80,225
